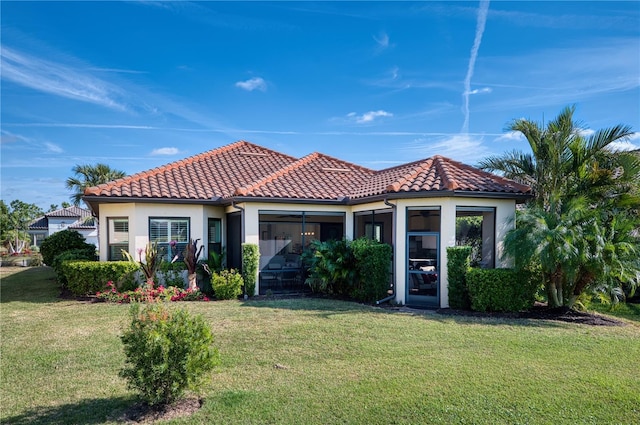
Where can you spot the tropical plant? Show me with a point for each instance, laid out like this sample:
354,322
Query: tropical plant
151,264
332,262
566,160
190,255
88,176
583,190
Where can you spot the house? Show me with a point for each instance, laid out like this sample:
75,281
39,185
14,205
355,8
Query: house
72,218
243,192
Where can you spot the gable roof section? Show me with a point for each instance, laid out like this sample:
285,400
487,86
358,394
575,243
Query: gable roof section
81,218
212,174
316,176
245,170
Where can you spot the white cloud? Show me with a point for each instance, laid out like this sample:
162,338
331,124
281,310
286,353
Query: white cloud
52,147
368,117
511,136
165,151
383,41
627,145
255,83
586,132
465,148
58,79
481,91
482,19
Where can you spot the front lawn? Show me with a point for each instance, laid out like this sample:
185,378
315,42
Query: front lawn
312,361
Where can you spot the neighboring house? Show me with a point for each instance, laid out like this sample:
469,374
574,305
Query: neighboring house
72,218
243,192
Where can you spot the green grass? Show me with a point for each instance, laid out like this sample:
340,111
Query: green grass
314,361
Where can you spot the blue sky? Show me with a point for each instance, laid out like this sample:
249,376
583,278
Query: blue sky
140,84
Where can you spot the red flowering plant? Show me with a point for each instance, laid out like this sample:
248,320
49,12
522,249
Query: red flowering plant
149,294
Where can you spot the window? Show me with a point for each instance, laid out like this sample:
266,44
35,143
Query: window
475,227
117,238
423,219
165,230
375,224
215,236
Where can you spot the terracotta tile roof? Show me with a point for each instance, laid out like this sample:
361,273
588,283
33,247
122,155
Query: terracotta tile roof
243,169
316,176
438,174
216,173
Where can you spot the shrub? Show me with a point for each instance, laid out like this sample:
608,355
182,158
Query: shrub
458,263
501,289
250,263
167,352
332,262
82,254
227,284
60,242
372,262
89,277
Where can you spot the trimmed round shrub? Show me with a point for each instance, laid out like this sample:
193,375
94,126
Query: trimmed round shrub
60,242
227,284
167,352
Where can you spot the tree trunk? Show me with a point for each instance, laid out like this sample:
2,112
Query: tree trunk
555,293
192,282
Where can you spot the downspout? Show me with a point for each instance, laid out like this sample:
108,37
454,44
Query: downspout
393,235
236,206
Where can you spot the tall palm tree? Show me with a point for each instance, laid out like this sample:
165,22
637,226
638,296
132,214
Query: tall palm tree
564,161
584,193
90,175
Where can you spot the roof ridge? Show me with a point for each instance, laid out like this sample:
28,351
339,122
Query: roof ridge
175,164
448,180
420,166
242,191
350,164
467,167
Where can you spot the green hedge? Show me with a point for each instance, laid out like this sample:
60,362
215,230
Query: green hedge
501,289
77,254
373,262
89,277
250,263
458,264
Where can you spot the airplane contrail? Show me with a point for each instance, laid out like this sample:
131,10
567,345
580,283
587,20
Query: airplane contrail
482,19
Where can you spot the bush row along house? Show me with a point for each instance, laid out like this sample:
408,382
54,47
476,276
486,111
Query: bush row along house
243,192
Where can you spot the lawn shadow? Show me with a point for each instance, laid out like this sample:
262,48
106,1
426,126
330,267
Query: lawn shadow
322,306
29,284
88,411
327,307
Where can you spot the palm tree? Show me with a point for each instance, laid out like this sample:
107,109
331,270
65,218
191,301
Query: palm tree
564,162
90,175
579,228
